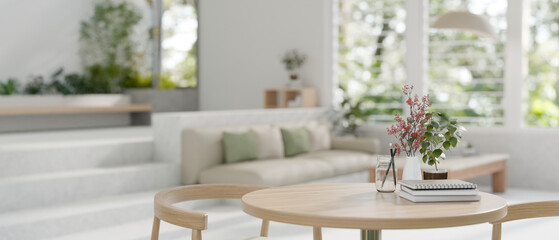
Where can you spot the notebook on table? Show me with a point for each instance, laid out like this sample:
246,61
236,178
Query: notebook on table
438,191
437,184
433,198
451,192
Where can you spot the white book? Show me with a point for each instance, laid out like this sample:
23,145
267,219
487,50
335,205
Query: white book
437,184
468,198
454,192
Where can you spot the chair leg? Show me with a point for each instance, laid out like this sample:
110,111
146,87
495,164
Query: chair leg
496,231
264,229
317,233
196,234
155,229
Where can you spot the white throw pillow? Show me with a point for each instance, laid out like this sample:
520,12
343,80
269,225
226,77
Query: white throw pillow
270,143
320,136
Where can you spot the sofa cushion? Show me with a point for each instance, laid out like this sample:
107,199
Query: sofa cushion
240,146
270,142
343,162
295,141
272,172
319,135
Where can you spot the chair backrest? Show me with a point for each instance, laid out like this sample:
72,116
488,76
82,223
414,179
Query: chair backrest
525,211
164,200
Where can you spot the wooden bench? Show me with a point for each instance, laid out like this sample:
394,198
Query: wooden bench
466,168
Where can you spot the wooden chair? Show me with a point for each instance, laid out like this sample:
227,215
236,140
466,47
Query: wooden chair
525,211
197,221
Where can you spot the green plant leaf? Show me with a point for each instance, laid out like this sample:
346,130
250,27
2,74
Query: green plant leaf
446,145
435,124
425,158
437,153
428,136
453,141
452,130
447,136
425,144
431,162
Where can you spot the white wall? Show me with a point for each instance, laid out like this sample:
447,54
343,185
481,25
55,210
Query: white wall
37,37
242,42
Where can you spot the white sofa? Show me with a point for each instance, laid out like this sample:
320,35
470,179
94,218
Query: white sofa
203,156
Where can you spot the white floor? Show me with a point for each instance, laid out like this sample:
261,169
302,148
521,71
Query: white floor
227,221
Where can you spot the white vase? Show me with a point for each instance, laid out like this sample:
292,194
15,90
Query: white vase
412,169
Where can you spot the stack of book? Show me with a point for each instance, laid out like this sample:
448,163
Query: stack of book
438,191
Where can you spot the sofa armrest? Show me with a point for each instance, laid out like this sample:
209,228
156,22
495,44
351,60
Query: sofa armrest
368,145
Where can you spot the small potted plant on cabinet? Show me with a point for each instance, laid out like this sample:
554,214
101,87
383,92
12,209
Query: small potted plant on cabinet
293,61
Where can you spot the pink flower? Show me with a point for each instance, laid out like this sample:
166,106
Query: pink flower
411,132
409,101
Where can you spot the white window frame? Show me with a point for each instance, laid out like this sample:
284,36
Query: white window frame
516,67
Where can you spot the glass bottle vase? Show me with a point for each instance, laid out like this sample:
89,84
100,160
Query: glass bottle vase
385,175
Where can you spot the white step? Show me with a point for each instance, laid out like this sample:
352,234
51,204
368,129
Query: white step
48,152
41,190
74,221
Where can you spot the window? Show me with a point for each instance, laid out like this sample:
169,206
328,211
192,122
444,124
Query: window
179,42
543,61
371,53
466,72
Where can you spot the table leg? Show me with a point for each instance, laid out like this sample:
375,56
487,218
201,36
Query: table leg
499,181
371,235
372,175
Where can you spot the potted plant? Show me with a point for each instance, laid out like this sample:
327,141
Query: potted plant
293,60
440,133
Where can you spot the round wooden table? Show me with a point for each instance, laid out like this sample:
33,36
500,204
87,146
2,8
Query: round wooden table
360,206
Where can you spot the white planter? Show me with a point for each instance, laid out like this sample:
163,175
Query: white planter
86,100
412,169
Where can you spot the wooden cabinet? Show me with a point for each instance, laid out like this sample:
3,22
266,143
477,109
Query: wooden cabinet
290,97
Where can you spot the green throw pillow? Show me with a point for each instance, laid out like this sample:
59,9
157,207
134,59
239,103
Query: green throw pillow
240,146
295,141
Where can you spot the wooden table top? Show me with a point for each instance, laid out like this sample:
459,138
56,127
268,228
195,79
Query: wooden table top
360,206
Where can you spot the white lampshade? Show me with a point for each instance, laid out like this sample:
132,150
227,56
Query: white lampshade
466,21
